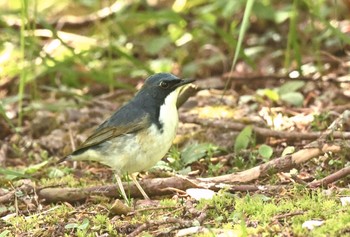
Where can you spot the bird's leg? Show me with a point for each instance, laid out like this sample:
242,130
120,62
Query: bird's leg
120,185
133,177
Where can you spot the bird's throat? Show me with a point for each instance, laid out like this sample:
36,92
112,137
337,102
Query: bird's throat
168,116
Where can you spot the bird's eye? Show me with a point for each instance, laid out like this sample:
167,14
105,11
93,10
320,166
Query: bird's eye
164,84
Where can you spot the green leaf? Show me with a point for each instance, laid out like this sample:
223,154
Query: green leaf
34,168
71,226
288,150
265,151
185,171
84,225
162,165
242,30
161,64
271,94
194,152
290,86
4,233
56,173
155,45
293,98
243,139
10,174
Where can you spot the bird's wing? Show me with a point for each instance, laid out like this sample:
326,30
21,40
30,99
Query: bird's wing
108,131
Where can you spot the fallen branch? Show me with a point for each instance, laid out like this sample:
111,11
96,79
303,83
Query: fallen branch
181,183
330,178
283,216
276,165
288,162
265,132
153,187
100,15
79,21
253,79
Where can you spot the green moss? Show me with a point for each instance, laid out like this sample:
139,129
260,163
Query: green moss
257,213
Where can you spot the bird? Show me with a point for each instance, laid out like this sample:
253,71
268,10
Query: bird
139,134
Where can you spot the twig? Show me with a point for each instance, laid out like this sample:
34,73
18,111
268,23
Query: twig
150,209
250,187
263,78
265,132
65,36
276,165
26,187
288,215
3,152
79,21
186,93
171,220
331,178
310,151
8,197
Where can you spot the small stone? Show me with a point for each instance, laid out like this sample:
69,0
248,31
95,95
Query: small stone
119,208
200,193
312,224
345,201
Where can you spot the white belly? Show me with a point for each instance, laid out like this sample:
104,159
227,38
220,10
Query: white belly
158,142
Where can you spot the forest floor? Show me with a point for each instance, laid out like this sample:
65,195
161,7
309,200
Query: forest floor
262,150
284,199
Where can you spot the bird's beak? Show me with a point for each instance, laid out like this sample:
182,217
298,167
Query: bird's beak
183,82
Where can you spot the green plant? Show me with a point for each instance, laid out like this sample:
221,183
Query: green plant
288,93
84,225
243,139
321,121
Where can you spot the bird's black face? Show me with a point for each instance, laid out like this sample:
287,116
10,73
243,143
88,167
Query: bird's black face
160,85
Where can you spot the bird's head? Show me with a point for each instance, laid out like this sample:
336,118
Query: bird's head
160,86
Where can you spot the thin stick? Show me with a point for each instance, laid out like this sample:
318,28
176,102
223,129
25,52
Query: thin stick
331,178
267,132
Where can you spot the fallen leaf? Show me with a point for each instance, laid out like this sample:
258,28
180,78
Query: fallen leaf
312,224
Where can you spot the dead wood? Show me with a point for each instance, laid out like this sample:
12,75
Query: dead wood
288,162
186,93
330,178
153,187
276,165
265,132
283,216
79,21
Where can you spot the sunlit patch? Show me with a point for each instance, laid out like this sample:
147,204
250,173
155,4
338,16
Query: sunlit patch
200,193
215,112
6,52
187,37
